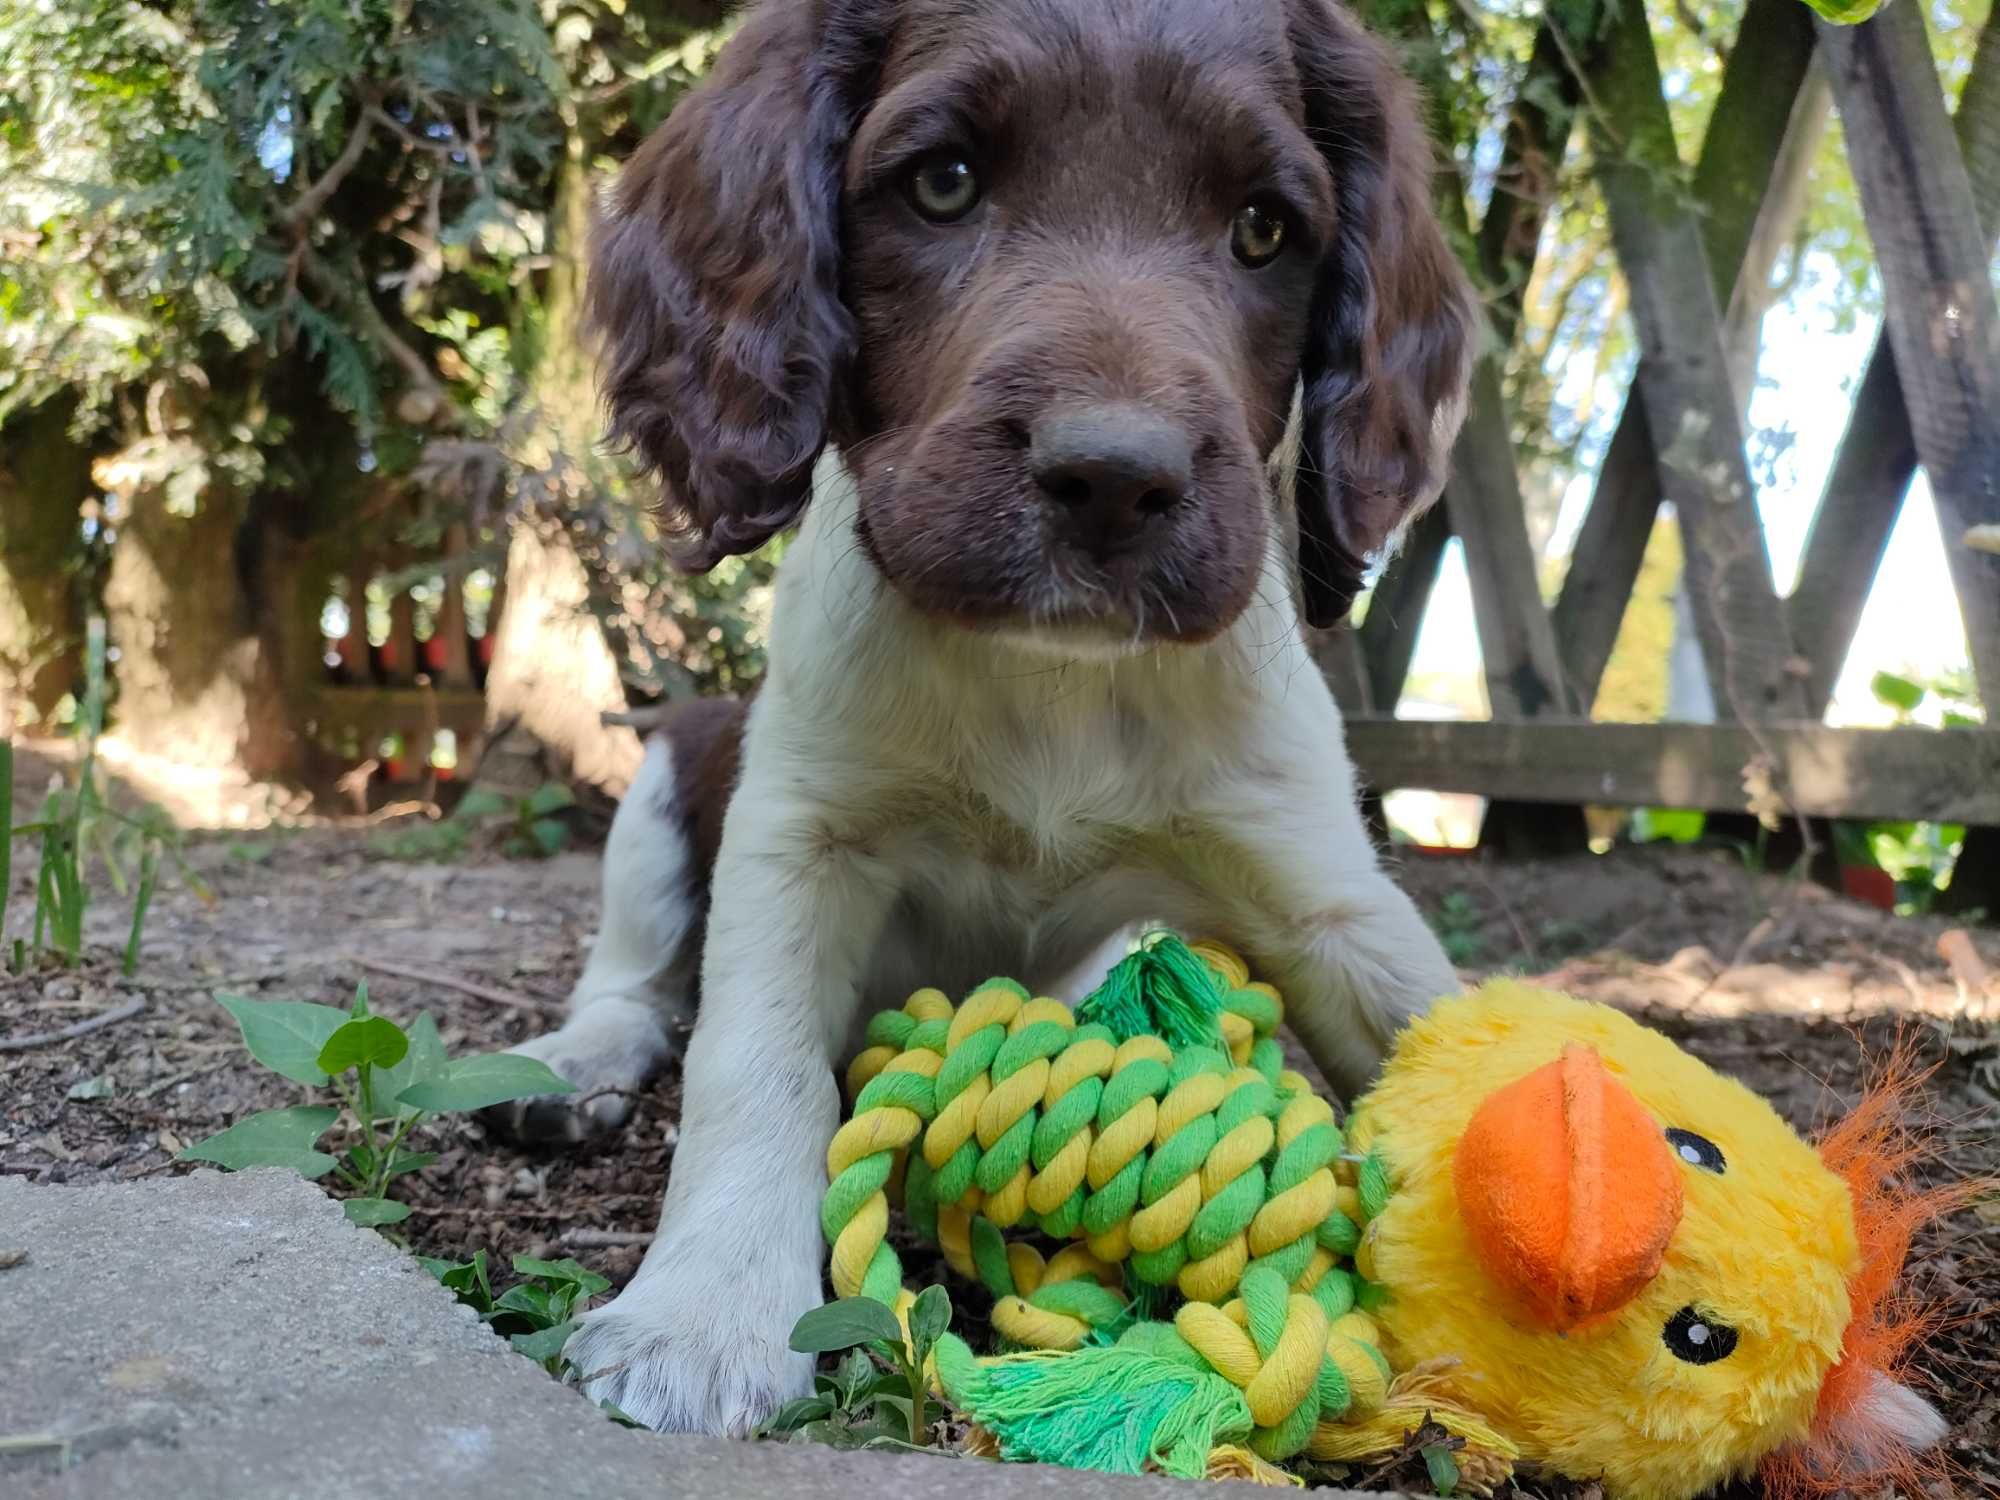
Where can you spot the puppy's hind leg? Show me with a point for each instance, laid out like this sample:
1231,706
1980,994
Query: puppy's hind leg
640,977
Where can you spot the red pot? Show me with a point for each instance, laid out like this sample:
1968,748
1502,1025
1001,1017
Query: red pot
1866,883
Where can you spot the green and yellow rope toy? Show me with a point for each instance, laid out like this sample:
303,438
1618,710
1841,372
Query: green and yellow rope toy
1155,1133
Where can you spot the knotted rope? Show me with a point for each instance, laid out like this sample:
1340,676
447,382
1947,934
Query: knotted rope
1161,1137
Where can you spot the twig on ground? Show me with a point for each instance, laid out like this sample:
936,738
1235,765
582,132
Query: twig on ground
604,1239
509,998
97,1022
182,1077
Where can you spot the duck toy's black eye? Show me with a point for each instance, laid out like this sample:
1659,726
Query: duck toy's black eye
1698,1339
1697,1151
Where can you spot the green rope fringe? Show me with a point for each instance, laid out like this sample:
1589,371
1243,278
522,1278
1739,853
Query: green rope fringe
1163,990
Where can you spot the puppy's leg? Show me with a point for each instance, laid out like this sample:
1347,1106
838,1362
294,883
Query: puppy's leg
698,1341
1301,888
638,981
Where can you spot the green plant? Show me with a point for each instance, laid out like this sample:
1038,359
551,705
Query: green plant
537,1314
1460,929
76,822
1918,856
526,827
388,1080
533,829
879,1387
1673,825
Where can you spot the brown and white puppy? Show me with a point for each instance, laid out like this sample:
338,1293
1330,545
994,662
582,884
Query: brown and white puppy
1100,334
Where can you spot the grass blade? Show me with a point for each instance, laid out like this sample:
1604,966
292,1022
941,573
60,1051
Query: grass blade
6,825
149,869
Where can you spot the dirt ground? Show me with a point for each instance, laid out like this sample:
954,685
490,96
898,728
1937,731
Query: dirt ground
1781,985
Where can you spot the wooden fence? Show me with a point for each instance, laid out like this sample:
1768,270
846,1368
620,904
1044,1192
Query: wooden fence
411,703
1930,396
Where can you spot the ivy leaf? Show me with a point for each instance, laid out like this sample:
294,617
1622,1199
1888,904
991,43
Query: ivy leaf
424,1061
373,1040
565,1271
795,1414
930,1316
844,1324
1896,692
488,1078
285,1035
544,1343
271,1138
1443,1468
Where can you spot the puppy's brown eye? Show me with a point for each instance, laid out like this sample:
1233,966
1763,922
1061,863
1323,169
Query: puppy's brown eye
943,187
1257,234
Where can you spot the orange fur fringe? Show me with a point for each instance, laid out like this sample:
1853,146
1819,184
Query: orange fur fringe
1873,1149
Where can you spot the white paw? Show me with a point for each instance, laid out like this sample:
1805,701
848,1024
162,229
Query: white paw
608,1051
685,1352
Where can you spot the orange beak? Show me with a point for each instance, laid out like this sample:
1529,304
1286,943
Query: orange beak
1569,1190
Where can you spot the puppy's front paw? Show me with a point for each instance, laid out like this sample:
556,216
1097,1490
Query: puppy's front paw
609,1051
683,1354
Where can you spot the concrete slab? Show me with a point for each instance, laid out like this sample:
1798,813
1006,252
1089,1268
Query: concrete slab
232,1337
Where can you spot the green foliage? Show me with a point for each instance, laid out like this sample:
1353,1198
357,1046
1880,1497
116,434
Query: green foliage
1442,1467
1673,825
389,1082
878,1389
525,827
1918,856
1460,929
77,823
537,1314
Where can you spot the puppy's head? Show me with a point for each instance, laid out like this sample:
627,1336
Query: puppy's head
1049,272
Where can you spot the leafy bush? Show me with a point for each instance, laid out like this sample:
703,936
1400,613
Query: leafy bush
526,827
538,1314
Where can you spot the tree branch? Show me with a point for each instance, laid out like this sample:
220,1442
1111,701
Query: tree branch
313,197
368,317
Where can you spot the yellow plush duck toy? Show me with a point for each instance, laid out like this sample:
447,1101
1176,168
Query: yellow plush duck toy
1633,1265
1579,1249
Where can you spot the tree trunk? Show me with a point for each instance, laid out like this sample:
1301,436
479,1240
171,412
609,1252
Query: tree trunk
553,672
553,675
44,479
196,679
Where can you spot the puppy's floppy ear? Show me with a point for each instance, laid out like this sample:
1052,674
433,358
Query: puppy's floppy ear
715,279
1390,349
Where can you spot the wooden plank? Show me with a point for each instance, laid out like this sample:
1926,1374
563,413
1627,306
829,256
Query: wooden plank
1484,488
1877,457
1337,654
1950,775
1917,198
1517,641
1609,549
354,644
1483,501
1683,381
1539,121
375,712
1388,635
450,628
1746,135
405,662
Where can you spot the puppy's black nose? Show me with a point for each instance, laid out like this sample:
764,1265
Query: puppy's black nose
1110,469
